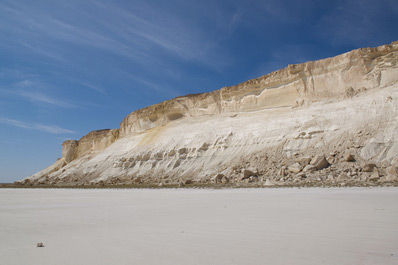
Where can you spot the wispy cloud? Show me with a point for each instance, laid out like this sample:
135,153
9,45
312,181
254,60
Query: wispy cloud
16,123
19,74
37,48
52,129
38,98
357,22
95,87
137,33
35,126
38,31
36,92
140,32
148,84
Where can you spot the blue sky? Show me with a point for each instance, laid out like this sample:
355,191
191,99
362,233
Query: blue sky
70,67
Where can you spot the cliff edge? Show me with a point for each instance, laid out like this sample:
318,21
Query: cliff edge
321,122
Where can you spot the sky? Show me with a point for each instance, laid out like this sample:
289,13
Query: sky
71,67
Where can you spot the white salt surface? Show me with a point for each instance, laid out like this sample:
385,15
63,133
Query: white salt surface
243,226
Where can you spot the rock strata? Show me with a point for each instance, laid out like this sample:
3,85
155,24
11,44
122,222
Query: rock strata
327,122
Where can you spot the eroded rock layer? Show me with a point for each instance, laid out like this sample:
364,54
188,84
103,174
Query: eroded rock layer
333,121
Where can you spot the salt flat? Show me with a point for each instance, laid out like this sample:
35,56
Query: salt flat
189,226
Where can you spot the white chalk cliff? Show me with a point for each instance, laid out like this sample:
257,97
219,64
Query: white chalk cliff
273,130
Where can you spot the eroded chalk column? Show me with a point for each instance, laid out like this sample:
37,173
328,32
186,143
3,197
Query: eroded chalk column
69,149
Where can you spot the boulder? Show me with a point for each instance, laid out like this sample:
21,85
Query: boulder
309,168
304,161
348,157
188,182
368,168
248,173
375,176
221,178
392,173
25,181
269,183
217,178
320,162
253,179
301,176
342,177
331,159
282,171
295,168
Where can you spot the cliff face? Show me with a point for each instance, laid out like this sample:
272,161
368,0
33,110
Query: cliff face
92,142
296,84
262,126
